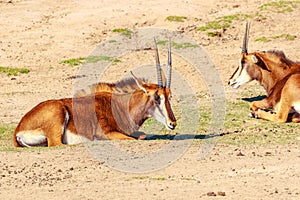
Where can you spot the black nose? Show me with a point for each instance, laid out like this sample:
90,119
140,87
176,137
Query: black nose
172,125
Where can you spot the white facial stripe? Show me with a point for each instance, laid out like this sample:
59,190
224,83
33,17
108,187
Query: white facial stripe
158,112
240,77
162,106
240,69
244,77
161,113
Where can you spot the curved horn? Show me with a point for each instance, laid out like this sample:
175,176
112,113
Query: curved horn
169,70
246,37
158,67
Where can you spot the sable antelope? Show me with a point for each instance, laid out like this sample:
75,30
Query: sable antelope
110,113
277,74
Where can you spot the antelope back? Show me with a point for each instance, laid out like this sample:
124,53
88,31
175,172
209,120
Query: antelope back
99,87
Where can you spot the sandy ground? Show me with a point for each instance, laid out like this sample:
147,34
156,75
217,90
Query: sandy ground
38,35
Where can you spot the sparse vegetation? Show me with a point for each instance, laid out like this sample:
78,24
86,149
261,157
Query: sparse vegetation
183,45
282,36
225,21
262,39
175,18
89,59
177,45
214,34
285,36
280,6
6,133
123,31
242,129
239,129
160,178
13,71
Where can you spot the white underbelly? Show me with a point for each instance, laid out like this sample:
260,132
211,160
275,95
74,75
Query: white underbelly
297,107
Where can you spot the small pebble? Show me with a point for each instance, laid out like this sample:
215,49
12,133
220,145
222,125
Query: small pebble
221,193
240,154
211,194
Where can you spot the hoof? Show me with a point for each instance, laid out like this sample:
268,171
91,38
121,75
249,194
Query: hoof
138,135
253,115
142,137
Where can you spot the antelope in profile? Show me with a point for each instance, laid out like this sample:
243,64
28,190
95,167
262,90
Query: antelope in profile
114,112
279,76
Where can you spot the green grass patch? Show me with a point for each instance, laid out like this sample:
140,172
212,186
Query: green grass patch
263,39
280,6
189,179
214,34
240,129
225,21
13,71
159,178
148,178
184,45
175,18
140,177
123,31
6,137
282,36
285,36
89,59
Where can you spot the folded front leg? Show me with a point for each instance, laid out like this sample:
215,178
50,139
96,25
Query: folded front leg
263,105
118,136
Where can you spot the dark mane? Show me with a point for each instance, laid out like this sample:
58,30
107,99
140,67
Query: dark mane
282,57
127,85
123,86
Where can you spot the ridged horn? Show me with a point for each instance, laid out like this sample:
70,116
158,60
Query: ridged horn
158,67
246,37
169,69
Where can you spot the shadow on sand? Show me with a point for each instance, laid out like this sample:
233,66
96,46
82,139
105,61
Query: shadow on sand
182,136
251,99
194,136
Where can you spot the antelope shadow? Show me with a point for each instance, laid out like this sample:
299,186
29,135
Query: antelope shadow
182,136
257,98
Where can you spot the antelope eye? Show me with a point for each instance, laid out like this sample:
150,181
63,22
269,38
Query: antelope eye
156,98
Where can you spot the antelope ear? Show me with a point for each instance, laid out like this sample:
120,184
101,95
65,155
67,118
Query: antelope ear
139,82
254,59
259,59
